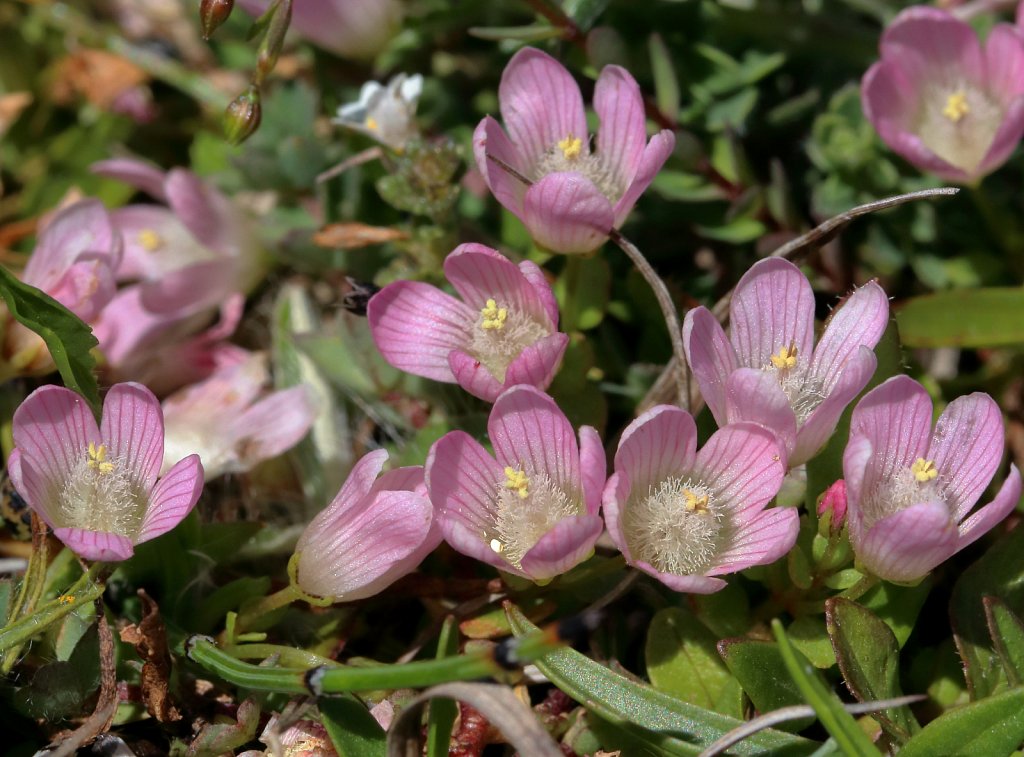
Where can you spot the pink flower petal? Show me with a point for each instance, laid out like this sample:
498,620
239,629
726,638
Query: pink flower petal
540,103
711,357
139,174
687,584
78,229
659,444
934,48
860,320
742,465
137,224
473,376
53,428
479,273
653,158
566,545
762,540
87,286
622,135
566,213
896,417
190,290
96,545
755,395
614,498
539,281
594,468
537,364
906,545
172,498
359,482
856,458
133,430
416,326
463,482
490,139
530,432
1004,59
772,307
38,492
1006,139
204,211
408,478
272,425
982,521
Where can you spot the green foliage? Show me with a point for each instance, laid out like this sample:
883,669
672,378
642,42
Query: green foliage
61,689
761,671
353,730
937,320
992,726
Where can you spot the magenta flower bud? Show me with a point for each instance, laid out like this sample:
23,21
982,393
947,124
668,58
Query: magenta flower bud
832,508
213,13
242,116
579,192
941,100
910,489
378,529
687,517
769,371
531,508
97,487
503,332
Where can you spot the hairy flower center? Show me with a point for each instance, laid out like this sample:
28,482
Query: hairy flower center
573,154
526,508
100,495
150,240
959,124
804,390
500,334
676,527
918,483
956,106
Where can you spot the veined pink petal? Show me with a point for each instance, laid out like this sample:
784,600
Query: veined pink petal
39,492
906,545
856,458
53,427
742,465
416,326
172,498
473,376
660,443
981,522
686,584
616,494
934,47
529,432
860,320
273,425
133,430
653,158
96,545
622,134
566,213
139,174
1004,58
772,308
408,478
966,449
78,229
465,540
593,467
204,211
896,417
490,139
755,395
566,545
537,364
711,357
761,540
358,484
463,481
479,273
541,103
539,281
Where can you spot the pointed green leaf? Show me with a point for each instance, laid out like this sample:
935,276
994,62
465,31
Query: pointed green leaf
759,668
937,320
353,730
1008,636
992,727
666,85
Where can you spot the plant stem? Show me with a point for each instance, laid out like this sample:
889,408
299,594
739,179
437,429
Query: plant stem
859,589
289,657
265,606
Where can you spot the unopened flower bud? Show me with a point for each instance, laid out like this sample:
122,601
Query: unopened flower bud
242,116
213,13
832,509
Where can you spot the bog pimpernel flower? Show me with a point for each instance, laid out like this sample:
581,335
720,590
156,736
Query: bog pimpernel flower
532,508
385,113
686,517
503,332
377,529
943,102
910,490
579,193
769,371
96,486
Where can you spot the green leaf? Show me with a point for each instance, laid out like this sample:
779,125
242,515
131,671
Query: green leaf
582,291
441,712
898,606
353,730
869,659
682,660
808,634
531,33
61,689
737,231
666,85
1008,636
837,721
68,339
685,187
666,725
964,318
759,668
992,727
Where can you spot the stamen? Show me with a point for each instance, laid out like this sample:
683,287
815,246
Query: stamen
150,240
924,470
97,458
695,502
956,106
785,358
492,316
99,494
500,335
497,546
517,481
371,123
571,147
524,515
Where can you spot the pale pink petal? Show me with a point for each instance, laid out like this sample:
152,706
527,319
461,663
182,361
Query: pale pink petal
978,524
537,364
614,498
906,545
490,139
530,432
539,281
416,326
1004,58
755,395
473,376
190,290
687,584
475,544
137,225
408,478
41,493
857,456
96,545
593,467
87,286
204,211
479,274
566,213
1007,137
463,481
78,229
761,540
711,358
53,428
359,482
742,465
934,48
566,545
540,102
772,307
172,498
139,174
133,430
896,417
659,444
622,134
654,156
273,425
966,448
859,320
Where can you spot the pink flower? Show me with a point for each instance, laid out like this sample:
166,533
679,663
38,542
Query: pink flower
531,509
686,517
229,425
940,100
504,331
97,487
833,504
578,194
769,372
374,532
910,489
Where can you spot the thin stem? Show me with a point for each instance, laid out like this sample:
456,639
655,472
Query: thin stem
265,606
28,626
859,589
289,657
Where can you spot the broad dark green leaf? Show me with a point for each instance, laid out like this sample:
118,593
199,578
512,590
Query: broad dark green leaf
60,690
1008,637
898,606
937,320
993,727
353,730
68,339
869,658
666,85
759,668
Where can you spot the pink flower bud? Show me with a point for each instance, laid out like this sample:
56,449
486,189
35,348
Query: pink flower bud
833,506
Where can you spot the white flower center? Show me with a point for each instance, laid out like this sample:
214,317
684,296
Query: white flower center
526,508
920,482
500,334
803,390
573,154
100,495
959,124
677,527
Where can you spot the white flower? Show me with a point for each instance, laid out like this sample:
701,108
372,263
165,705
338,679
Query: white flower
387,114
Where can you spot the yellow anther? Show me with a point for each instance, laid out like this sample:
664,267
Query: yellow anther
65,599
571,147
517,481
150,240
97,458
924,470
371,123
493,316
956,106
497,546
694,502
785,358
